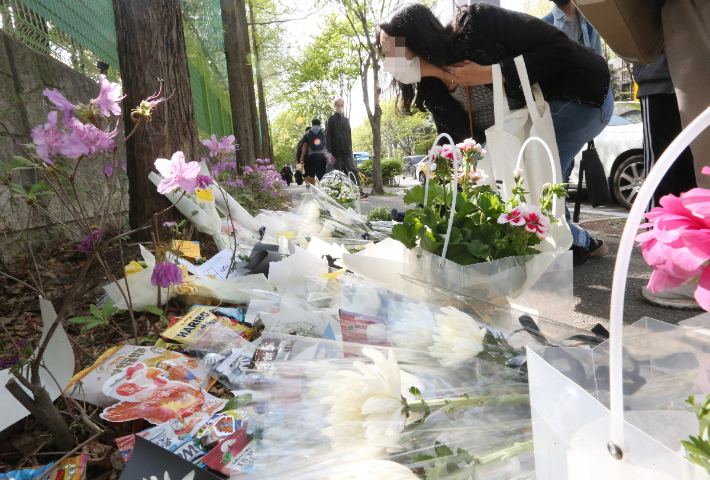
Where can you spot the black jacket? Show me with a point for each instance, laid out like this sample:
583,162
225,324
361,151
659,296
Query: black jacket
338,137
487,34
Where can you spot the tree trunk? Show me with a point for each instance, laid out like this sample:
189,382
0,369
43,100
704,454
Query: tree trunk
151,48
263,115
243,30
375,118
235,53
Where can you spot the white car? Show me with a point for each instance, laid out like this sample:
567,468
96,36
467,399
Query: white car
620,148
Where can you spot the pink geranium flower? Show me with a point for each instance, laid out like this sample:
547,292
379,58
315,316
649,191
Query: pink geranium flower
514,217
678,244
473,175
60,102
470,146
177,174
109,96
47,139
536,222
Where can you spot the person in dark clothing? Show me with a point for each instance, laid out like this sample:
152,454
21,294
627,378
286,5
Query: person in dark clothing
298,177
339,141
433,66
313,153
286,175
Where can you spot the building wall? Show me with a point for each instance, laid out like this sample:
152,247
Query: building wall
25,73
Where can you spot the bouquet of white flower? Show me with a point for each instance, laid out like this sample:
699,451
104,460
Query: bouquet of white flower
339,187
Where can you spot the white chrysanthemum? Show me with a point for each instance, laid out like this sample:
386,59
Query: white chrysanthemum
457,337
312,211
366,406
375,470
415,338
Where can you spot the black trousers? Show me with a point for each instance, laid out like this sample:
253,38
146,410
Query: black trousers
661,124
346,163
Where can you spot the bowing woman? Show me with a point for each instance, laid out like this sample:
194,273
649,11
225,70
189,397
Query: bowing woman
433,65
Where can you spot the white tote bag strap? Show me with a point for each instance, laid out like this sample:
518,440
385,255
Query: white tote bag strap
500,99
533,96
621,270
552,163
454,187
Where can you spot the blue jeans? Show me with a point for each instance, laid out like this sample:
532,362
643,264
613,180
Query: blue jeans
576,125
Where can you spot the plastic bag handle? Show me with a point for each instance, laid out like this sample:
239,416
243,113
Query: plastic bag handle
454,187
552,163
621,270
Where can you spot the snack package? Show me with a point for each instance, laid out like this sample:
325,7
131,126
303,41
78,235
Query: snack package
88,384
231,364
172,436
146,393
236,314
271,350
221,426
203,330
234,455
73,468
358,328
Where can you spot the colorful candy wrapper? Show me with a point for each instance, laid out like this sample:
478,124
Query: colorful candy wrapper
235,314
203,330
73,468
172,436
234,455
222,425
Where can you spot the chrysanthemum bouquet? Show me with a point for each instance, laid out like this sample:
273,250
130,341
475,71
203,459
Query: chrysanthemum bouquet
339,187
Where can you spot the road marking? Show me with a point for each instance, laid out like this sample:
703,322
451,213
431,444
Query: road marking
594,211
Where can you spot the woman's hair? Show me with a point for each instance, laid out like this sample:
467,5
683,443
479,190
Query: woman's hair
424,35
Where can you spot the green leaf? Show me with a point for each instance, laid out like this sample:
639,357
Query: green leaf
108,309
479,249
154,310
238,402
466,457
414,196
404,233
17,160
81,320
97,313
150,338
92,325
442,450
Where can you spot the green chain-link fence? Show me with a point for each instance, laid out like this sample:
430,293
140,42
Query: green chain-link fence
81,32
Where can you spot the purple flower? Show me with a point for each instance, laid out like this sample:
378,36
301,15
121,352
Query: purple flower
169,224
248,169
48,139
60,102
108,98
165,274
203,181
108,171
177,174
87,245
221,147
86,139
239,182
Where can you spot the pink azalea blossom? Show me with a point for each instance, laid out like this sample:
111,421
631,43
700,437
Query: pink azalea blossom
678,244
86,139
47,139
177,174
225,146
536,222
169,224
203,181
514,217
165,274
108,170
108,98
60,102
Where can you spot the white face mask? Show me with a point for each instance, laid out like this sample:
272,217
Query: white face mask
403,70
339,109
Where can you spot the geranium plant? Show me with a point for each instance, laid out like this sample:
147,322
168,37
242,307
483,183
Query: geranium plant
485,227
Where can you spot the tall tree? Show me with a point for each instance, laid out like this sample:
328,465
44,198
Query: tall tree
151,49
359,20
239,76
263,116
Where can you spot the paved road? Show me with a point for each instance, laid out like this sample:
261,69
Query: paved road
592,281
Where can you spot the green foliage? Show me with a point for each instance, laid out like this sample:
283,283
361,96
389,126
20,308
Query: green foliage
99,317
391,167
379,214
698,448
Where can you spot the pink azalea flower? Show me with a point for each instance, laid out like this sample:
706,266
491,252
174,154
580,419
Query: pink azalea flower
108,98
165,274
169,224
86,139
87,245
203,181
60,102
514,217
536,222
225,146
108,171
47,139
177,174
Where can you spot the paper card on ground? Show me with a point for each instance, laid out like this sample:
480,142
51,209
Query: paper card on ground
299,321
59,360
218,266
189,249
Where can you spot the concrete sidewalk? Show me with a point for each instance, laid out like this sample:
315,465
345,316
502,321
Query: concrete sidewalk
592,281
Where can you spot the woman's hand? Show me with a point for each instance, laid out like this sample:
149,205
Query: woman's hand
468,73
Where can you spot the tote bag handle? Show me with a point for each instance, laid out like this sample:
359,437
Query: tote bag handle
552,163
454,188
621,270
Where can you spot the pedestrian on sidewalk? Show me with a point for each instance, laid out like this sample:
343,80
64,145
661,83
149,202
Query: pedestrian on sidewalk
441,62
569,19
313,153
339,142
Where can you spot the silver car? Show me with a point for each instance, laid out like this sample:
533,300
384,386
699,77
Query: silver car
620,148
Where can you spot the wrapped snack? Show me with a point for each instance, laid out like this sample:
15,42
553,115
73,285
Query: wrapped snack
234,455
230,364
235,314
88,384
172,436
201,329
73,468
221,426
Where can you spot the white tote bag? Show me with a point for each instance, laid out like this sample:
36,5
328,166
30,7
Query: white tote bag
505,139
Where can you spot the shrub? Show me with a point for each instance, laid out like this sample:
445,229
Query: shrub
379,214
391,167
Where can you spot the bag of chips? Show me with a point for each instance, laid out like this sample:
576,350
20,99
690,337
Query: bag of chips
203,330
73,468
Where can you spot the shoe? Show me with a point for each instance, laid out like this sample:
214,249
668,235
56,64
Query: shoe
597,248
363,195
679,298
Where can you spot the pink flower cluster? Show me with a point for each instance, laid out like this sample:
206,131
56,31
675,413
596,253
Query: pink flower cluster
678,244
470,146
532,218
446,151
178,174
473,175
80,139
223,147
165,274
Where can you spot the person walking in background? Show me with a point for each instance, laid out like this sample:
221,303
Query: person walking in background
566,17
661,125
313,152
339,141
286,175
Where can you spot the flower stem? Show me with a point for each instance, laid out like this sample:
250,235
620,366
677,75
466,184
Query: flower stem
514,451
465,401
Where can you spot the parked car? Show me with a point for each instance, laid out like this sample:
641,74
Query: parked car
410,165
620,148
423,169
